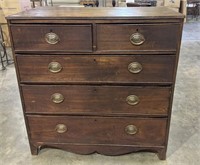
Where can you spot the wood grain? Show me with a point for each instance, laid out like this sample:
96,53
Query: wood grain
142,13
157,37
96,100
96,69
94,51
97,130
73,38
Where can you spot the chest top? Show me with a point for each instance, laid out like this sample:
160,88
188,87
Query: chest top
98,13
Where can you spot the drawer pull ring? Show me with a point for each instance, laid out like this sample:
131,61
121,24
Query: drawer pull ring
131,129
137,39
135,67
132,100
55,67
61,128
57,98
52,38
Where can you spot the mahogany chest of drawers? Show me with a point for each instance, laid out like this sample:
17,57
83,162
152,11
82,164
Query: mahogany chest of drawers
97,79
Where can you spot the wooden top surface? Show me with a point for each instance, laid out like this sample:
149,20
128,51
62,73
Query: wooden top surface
97,13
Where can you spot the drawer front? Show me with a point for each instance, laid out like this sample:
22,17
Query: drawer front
96,69
72,38
129,37
97,130
96,100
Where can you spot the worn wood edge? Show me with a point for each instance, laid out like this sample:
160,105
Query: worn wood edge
90,52
33,148
103,149
167,83
99,13
88,21
173,85
135,115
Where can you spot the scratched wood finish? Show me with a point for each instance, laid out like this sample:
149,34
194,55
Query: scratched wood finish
103,13
100,149
96,69
96,100
94,50
98,130
72,38
157,37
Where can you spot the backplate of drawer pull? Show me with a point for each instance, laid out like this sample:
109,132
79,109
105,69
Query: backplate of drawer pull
52,38
54,67
131,129
57,98
137,39
61,128
135,67
132,100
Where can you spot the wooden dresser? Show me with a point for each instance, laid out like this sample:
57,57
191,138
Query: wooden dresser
97,79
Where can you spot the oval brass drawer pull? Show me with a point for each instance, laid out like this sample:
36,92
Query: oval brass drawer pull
135,67
57,98
132,100
131,129
61,128
52,38
137,39
55,67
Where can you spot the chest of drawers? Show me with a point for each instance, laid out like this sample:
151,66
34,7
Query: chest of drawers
97,79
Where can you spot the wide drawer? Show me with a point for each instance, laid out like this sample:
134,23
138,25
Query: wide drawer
96,100
96,69
142,37
97,130
69,38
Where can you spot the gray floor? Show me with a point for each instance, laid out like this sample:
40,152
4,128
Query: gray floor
184,139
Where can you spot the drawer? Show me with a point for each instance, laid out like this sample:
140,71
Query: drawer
97,130
96,100
96,69
69,38
142,37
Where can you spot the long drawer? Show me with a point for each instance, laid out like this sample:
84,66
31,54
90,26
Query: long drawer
69,38
97,130
96,100
96,69
143,37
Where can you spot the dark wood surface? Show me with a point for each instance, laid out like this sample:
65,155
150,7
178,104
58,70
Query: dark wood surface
98,148
98,130
73,38
157,37
96,100
82,69
98,13
95,52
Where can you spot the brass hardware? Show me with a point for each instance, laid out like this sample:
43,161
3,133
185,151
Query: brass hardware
55,67
52,38
132,100
137,39
57,98
61,128
135,67
131,129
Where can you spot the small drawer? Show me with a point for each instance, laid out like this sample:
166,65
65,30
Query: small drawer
80,69
69,38
137,37
97,130
96,100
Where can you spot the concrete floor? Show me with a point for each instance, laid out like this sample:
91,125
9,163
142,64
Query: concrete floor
184,139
